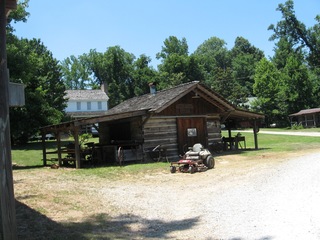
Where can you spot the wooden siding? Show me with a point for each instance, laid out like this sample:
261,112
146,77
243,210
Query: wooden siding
163,131
188,105
214,130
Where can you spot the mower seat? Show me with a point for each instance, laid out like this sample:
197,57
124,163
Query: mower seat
194,154
197,147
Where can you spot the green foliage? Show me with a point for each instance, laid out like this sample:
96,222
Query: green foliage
297,33
83,138
143,74
267,88
297,126
113,68
76,74
244,58
32,64
19,15
173,45
177,66
291,81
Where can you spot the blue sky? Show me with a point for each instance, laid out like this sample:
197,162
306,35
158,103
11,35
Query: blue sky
73,27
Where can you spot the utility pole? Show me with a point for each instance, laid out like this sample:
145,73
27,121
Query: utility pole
8,226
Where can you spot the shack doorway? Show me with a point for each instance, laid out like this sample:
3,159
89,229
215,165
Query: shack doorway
191,131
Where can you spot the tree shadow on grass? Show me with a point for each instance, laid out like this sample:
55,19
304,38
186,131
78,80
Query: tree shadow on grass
34,225
239,151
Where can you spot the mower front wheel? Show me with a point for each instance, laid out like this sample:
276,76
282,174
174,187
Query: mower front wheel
192,169
173,169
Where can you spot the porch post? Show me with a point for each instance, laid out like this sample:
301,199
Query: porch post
44,148
58,136
255,134
77,146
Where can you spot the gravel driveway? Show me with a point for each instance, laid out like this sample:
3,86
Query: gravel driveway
276,198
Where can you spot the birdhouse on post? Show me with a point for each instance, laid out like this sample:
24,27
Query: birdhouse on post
16,95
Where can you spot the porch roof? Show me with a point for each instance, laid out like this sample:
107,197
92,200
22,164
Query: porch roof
305,112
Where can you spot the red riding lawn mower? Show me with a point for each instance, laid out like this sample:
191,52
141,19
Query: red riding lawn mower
197,159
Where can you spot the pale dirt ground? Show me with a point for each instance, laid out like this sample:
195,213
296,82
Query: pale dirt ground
270,196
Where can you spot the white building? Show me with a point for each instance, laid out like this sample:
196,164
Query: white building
86,103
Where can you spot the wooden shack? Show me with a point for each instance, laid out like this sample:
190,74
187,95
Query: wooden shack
174,118
306,118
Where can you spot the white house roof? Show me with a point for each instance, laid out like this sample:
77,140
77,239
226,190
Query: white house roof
86,95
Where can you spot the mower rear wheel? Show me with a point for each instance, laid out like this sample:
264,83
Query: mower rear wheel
173,169
209,162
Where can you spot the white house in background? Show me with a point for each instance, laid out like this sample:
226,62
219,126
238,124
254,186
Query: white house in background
86,103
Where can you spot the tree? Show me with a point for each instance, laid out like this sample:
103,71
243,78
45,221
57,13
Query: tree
173,45
18,15
32,64
143,74
174,66
297,87
244,58
297,33
75,73
267,88
115,69
215,63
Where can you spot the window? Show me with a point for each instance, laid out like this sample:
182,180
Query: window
78,105
99,105
88,105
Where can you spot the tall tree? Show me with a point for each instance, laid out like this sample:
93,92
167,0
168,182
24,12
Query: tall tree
297,33
173,45
31,63
297,86
244,58
267,88
115,69
76,74
213,54
18,15
174,65
143,74
215,63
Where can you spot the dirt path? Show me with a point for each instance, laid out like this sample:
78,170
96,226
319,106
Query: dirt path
267,201
267,197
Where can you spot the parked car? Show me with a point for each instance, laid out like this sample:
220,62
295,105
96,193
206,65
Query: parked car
94,131
50,136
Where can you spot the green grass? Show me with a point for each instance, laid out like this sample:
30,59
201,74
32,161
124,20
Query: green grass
277,143
30,155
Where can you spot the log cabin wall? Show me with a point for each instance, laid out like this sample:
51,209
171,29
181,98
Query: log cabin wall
163,131
214,130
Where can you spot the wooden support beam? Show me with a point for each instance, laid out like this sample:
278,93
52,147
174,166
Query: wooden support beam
255,134
77,147
44,148
58,137
8,226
